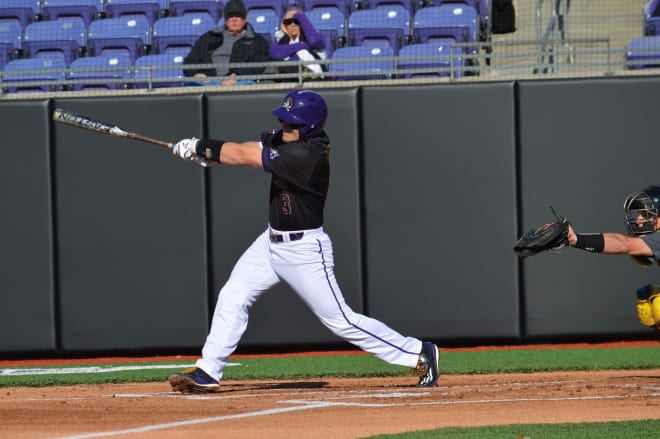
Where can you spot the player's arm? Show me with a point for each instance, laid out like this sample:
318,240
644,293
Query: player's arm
227,153
609,243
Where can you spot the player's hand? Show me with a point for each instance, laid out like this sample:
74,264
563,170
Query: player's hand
186,149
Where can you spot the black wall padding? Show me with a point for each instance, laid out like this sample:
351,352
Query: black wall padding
131,228
27,313
439,183
584,146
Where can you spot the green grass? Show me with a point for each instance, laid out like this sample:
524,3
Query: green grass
600,430
291,368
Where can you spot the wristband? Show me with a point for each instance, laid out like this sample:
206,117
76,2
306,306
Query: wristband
591,242
209,149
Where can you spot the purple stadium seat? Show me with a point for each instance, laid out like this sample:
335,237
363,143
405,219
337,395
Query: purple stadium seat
128,35
437,55
159,71
379,26
152,10
50,71
643,53
652,18
23,12
101,72
212,8
362,62
265,22
84,10
179,34
459,22
330,22
59,38
11,34
341,5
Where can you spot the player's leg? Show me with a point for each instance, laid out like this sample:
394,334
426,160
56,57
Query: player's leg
250,277
310,272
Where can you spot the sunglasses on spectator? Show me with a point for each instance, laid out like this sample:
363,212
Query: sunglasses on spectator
288,21
294,126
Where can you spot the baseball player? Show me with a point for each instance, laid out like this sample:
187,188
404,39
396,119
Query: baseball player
642,244
294,248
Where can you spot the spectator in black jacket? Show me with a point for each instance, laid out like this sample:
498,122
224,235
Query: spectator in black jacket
236,42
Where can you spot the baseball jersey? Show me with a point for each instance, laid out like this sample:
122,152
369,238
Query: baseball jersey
653,241
300,178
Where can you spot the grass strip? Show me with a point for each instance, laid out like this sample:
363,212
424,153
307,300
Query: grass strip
600,430
291,368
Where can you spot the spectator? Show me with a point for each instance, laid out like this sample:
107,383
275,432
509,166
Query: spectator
300,42
236,42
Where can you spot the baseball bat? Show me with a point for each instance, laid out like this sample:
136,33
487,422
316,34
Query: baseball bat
88,123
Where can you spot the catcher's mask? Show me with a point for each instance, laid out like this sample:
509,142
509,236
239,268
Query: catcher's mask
642,211
305,108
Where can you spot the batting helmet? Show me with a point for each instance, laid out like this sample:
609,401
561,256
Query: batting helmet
306,108
645,203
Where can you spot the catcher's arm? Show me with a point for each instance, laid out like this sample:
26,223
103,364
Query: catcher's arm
609,243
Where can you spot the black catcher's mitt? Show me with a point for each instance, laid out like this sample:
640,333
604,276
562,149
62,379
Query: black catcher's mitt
551,236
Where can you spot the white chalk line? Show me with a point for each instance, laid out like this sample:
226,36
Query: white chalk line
305,404
91,369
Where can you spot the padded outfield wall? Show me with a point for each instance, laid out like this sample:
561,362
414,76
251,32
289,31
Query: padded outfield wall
114,245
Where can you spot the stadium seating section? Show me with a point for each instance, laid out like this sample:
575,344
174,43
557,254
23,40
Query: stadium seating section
112,43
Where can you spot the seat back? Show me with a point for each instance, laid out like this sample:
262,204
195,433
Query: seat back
101,72
652,18
128,35
212,8
23,12
437,55
49,70
362,62
331,24
162,70
11,32
176,33
643,53
149,9
460,22
341,5
84,10
58,38
408,5
277,6
378,27
265,22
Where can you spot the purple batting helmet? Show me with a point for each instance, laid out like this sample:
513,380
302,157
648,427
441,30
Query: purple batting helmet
306,108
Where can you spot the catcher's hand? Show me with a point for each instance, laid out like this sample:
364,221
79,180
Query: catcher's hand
551,236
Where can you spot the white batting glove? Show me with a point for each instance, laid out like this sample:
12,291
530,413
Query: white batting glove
185,149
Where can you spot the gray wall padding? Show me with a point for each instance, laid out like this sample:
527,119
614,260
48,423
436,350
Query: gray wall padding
585,145
27,314
439,184
111,244
130,226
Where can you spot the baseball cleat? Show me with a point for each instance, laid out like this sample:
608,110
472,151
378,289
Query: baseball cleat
193,380
428,365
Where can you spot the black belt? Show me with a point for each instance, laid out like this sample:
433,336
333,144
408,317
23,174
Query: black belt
294,236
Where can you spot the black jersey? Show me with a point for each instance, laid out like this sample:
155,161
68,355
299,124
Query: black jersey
300,177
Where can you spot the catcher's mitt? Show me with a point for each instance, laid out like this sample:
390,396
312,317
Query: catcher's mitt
551,236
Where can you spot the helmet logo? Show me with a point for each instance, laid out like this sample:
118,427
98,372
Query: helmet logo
287,104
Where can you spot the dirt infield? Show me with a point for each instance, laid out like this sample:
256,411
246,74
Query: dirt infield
328,408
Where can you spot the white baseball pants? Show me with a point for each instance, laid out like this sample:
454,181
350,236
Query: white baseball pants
307,265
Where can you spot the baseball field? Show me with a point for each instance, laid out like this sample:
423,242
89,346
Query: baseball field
606,390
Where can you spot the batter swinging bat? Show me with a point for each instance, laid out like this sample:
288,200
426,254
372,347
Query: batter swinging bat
87,123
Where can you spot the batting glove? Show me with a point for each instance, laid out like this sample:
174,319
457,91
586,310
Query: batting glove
186,149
